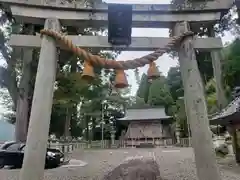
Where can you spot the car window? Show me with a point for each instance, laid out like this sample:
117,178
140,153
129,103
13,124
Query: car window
14,147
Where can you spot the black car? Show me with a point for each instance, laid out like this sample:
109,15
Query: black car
12,153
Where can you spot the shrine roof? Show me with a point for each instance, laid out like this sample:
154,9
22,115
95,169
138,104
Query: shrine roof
228,114
145,114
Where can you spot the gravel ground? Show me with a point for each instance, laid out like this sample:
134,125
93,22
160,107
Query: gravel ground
175,164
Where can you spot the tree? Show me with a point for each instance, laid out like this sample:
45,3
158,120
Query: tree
232,64
137,102
177,107
174,81
211,96
143,88
205,65
18,88
22,72
152,93
228,21
181,118
159,94
71,91
7,76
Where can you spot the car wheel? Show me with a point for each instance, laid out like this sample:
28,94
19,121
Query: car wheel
1,164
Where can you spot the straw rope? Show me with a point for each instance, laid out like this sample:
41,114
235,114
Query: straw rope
96,60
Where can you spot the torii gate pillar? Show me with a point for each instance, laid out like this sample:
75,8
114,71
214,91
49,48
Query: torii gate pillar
35,152
196,109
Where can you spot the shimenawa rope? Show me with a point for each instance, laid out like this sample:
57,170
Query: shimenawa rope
96,60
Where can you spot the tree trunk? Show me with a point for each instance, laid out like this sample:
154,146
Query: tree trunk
67,127
22,112
93,128
23,105
12,78
21,119
87,127
67,124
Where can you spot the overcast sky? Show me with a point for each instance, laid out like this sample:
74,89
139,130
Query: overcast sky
164,62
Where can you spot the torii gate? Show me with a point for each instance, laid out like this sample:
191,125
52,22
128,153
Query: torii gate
52,12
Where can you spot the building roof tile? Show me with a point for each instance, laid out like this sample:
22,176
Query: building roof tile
231,108
145,114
